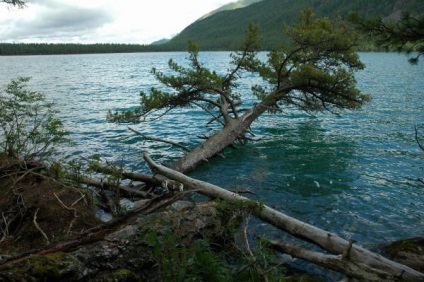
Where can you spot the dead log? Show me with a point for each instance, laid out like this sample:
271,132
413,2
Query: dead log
126,174
152,180
339,263
370,266
127,191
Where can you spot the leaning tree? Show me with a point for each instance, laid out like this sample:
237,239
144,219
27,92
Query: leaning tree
315,73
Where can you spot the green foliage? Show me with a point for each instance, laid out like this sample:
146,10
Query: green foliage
28,127
315,72
46,267
130,116
232,213
403,35
192,84
71,48
58,170
226,208
202,261
224,30
181,263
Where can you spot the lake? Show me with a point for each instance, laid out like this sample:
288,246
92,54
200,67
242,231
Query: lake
356,174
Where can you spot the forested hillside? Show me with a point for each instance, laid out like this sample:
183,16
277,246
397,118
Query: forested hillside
231,6
224,30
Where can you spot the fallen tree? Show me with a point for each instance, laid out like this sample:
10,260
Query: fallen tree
47,221
348,258
314,74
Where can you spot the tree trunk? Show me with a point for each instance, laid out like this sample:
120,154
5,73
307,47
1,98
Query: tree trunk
235,128
368,265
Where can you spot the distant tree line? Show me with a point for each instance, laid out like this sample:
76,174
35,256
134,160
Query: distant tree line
7,49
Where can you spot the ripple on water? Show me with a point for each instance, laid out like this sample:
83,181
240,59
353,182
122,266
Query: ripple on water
353,174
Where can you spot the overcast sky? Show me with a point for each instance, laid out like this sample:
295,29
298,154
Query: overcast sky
100,21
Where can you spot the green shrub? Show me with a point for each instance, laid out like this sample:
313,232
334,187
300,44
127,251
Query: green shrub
28,126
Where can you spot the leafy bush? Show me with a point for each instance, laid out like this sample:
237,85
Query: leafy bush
28,126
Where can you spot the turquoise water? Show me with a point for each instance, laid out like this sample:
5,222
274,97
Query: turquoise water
355,174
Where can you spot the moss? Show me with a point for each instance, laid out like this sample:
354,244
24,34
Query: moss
57,266
118,275
302,278
232,213
122,273
250,206
46,267
414,245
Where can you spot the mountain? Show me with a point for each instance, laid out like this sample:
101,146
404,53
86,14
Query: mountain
231,6
160,42
224,30
228,7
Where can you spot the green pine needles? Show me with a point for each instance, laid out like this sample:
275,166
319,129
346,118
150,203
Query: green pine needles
314,73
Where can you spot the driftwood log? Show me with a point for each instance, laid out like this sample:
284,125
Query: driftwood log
348,258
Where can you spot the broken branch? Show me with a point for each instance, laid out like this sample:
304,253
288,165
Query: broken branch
159,139
34,220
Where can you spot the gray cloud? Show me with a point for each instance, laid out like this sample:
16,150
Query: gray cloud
59,20
71,19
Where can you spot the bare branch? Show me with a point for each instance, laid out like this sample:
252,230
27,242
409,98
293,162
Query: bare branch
159,139
214,117
34,220
416,138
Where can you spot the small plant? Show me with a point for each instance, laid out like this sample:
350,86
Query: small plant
112,180
177,262
201,260
28,126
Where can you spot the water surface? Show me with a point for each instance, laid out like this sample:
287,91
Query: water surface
355,174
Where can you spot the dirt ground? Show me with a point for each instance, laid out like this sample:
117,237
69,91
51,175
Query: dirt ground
36,210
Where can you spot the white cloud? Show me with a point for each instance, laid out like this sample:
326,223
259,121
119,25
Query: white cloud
103,21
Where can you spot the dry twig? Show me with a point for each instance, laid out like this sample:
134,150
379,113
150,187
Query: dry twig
34,220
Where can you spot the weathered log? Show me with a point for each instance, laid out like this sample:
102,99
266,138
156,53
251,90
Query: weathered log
382,269
127,191
339,263
215,144
407,251
126,174
153,180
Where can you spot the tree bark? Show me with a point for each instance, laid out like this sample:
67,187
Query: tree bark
235,128
381,268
